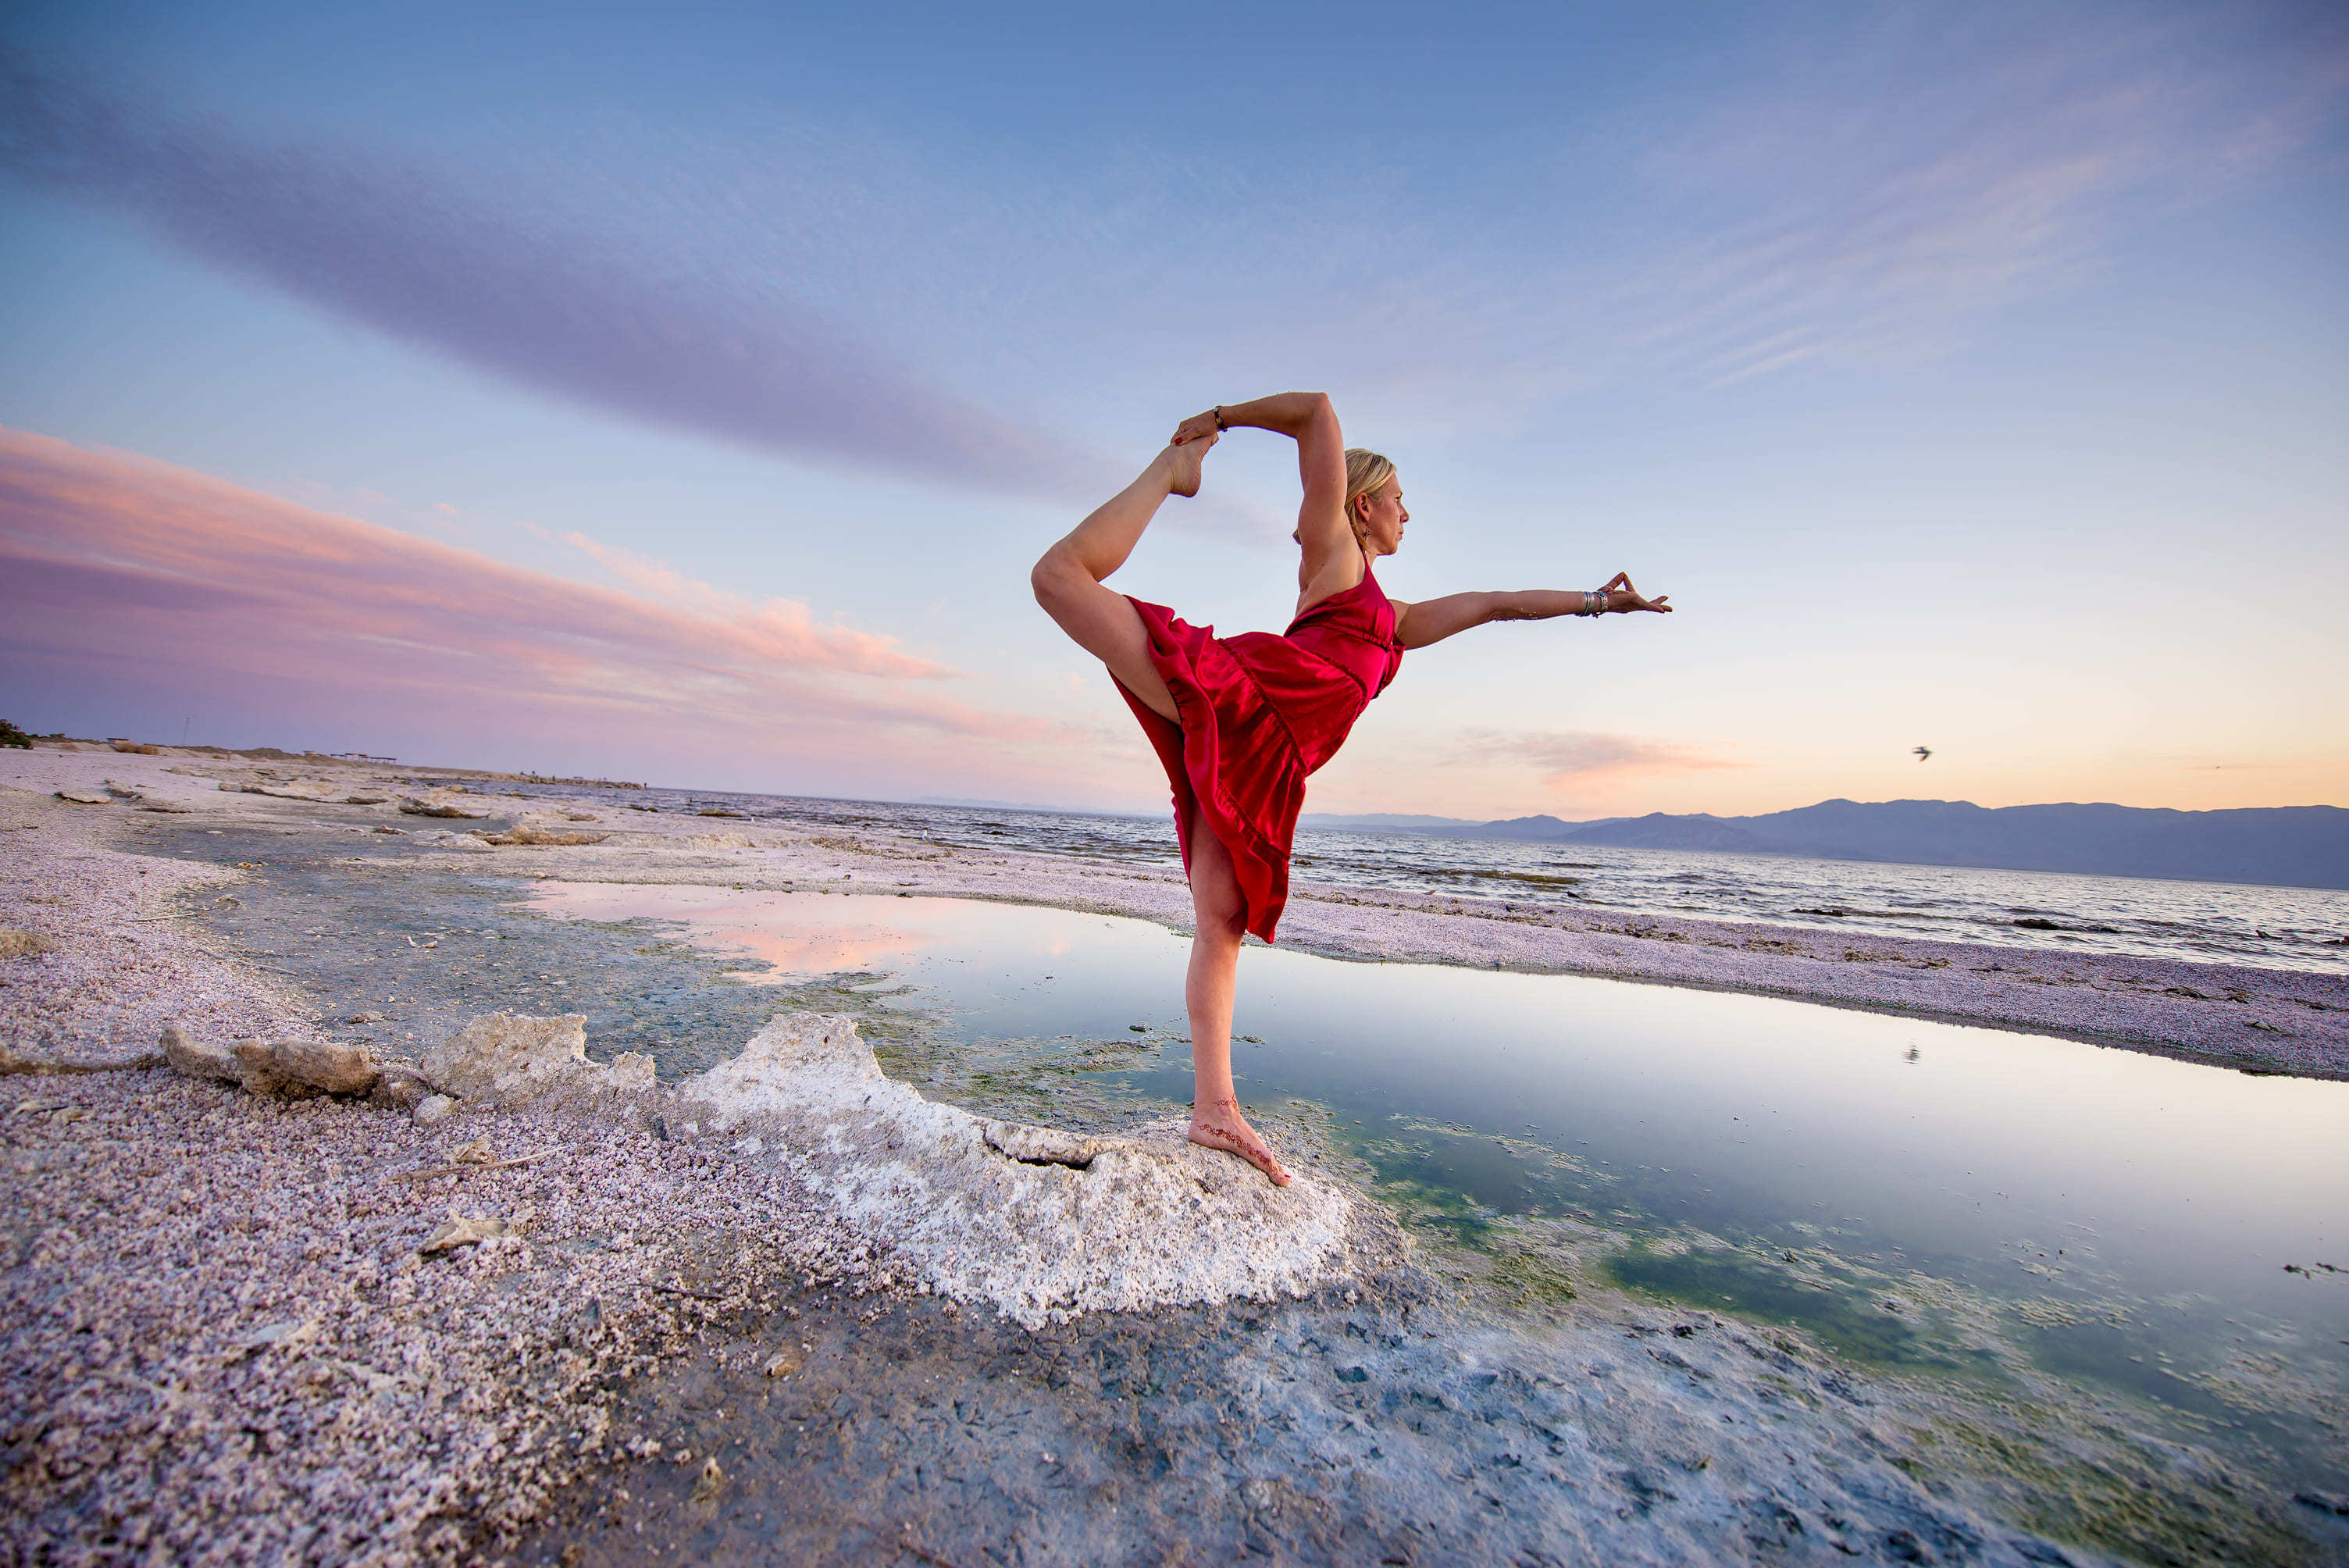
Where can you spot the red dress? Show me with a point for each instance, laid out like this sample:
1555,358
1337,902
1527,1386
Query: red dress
1260,713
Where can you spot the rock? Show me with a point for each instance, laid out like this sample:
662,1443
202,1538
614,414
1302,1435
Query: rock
783,1363
418,807
511,1058
465,1231
299,790
368,1017
434,1107
297,1068
1042,1222
164,807
15,944
2324,1502
387,828
197,1059
365,800
402,1088
581,817
527,835
711,1481
477,1152
86,797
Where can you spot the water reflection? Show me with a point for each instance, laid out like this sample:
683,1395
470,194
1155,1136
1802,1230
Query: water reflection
1916,1192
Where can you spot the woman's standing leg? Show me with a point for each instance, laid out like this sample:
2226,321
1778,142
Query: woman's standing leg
1207,989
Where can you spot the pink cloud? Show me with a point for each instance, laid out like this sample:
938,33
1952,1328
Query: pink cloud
139,570
1581,757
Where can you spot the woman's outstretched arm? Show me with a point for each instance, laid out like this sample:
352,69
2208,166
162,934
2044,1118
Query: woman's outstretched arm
1309,418
1427,621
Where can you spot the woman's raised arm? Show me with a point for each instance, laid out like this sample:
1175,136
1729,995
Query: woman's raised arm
1427,621
1309,418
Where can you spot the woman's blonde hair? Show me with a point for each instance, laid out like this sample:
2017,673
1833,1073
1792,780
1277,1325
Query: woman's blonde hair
1366,471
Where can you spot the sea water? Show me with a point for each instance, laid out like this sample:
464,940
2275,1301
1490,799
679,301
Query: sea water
1939,1199
2303,929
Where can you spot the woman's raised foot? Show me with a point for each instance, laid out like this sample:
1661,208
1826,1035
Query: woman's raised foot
1183,465
1221,1126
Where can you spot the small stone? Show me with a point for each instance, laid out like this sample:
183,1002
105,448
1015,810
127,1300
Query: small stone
463,1231
477,1152
387,828
1139,1028
540,836
433,1108
709,1482
783,1363
365,1018
86,797
400,1088
417,808
294,1068
199,1059
15,944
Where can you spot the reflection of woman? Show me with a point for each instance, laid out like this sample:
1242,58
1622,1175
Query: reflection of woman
1241,721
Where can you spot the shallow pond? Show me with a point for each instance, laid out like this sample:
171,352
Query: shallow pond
1952,1201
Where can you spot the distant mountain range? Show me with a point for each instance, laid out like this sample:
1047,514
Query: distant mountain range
2282,846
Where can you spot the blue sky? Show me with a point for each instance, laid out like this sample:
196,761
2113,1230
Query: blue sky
1973,376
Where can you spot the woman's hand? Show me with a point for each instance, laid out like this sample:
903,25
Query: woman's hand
1196,426
1621,596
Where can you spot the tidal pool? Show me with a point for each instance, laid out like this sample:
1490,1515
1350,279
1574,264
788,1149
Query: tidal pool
1943,1200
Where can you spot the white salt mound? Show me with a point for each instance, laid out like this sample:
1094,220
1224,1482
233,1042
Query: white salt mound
1042,1223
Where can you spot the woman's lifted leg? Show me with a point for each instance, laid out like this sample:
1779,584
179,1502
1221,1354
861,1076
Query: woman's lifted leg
1067,579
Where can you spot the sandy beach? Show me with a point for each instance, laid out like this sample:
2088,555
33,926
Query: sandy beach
774,1307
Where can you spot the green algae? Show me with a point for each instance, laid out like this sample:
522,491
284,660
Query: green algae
2078,1479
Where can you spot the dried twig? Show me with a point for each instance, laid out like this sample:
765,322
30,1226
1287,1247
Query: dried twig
460,1170
678,1290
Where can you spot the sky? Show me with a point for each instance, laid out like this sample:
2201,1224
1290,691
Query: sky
682,393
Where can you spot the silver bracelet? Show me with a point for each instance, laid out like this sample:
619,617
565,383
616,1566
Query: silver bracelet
1594,602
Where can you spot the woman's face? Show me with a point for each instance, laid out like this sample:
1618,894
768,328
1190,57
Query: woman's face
1379,517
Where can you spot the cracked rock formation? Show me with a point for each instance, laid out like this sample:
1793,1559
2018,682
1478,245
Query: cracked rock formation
511,1059
1041,1223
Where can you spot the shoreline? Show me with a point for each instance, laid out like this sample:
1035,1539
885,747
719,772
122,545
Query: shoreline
306,1382
2233,1015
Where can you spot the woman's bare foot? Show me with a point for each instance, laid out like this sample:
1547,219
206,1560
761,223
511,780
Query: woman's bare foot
1183,465
1220,1125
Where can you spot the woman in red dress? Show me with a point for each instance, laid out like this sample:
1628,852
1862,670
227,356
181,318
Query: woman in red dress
1239,722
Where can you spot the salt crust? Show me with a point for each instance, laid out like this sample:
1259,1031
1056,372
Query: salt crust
1042,1223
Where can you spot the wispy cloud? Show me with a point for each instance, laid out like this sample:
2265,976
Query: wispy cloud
191,576
582,315
1877,193
1580,757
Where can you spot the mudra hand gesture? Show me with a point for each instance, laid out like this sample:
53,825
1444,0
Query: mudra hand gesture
1621,596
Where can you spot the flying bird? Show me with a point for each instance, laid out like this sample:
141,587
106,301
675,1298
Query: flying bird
1923,752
